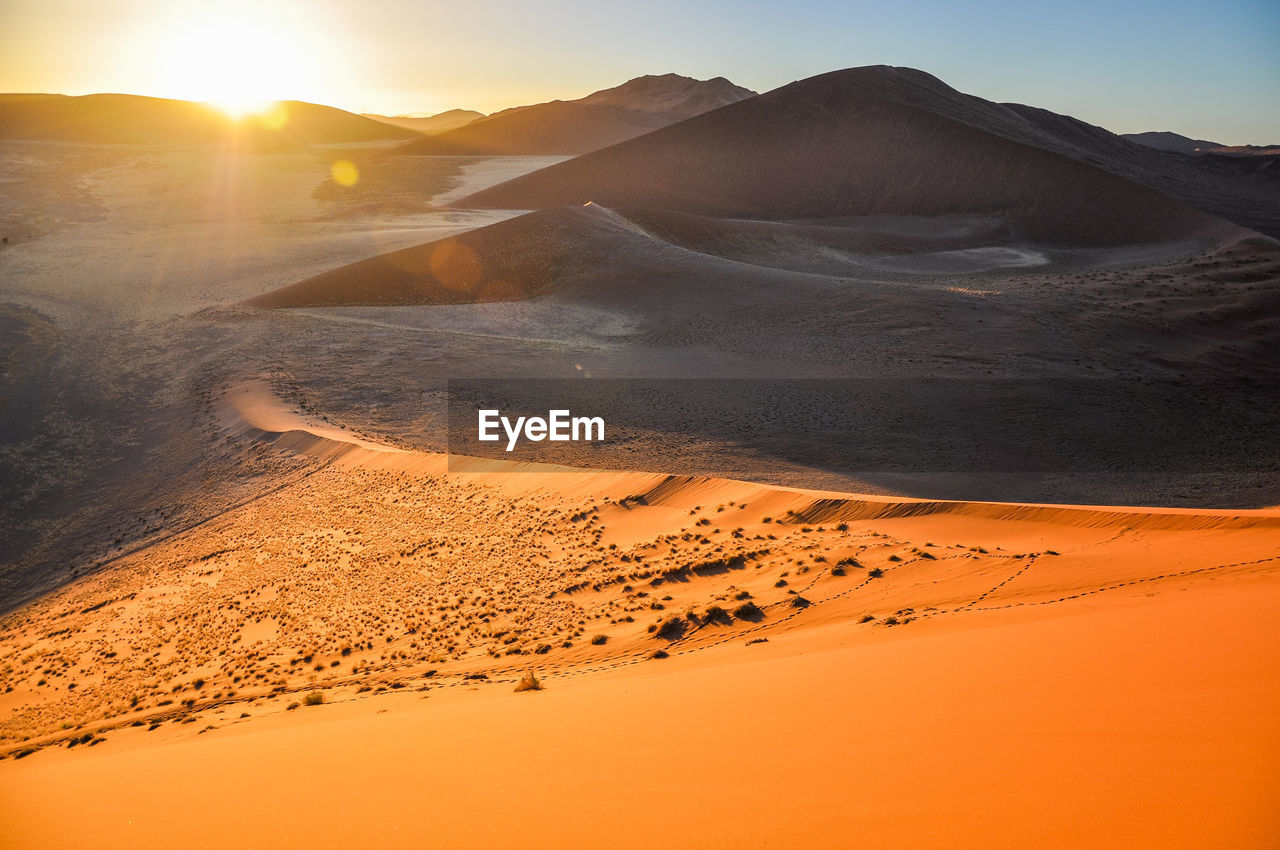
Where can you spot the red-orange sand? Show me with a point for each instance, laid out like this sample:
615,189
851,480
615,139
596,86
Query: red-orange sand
1107,678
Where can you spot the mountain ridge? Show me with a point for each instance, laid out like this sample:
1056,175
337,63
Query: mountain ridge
598,120
429,125
142,120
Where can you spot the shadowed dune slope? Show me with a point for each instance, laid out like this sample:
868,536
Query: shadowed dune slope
509,260
1243,190
567,247
860,141
136,120
662,257
587,124
815,245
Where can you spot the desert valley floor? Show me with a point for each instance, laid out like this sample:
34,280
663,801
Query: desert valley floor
249,599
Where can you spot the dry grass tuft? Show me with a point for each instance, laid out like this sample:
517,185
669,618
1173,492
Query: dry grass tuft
528,682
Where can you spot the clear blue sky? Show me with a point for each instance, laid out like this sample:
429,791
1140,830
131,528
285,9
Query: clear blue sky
1203,69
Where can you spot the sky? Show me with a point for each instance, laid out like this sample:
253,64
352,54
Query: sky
1205,70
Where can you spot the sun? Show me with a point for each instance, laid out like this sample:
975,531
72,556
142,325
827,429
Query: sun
238,59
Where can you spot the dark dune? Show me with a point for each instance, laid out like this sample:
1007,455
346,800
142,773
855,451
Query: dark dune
592,251
1076,353
1243,192
136,120
505,261
866,141
814,244
587,124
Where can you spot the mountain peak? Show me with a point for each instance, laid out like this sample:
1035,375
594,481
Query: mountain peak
669,94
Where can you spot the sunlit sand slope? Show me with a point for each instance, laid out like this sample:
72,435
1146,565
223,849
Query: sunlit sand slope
726,662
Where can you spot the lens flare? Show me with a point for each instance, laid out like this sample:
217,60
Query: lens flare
456,266
345,173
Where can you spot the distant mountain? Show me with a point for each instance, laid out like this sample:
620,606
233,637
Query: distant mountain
875,140
1166,141
669,95
587,124
137,120
430,125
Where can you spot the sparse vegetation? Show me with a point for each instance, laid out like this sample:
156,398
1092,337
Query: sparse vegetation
671,628
528,682
715,615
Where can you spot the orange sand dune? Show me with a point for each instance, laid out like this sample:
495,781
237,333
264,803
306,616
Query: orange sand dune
911,673
251,408
1141,723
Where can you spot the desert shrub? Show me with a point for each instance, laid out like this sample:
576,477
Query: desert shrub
717,615
748,611
659,653
314,698
866,618
528,682
671,628
599,640
875,573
